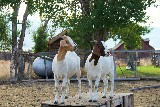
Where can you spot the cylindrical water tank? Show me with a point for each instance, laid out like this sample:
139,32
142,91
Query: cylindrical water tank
39,67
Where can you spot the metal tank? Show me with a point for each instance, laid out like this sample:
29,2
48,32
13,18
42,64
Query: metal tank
39,67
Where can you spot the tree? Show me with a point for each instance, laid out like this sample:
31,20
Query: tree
131,32
47,9
96,19
5,38
40,39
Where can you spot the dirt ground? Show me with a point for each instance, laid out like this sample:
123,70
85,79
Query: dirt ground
31,94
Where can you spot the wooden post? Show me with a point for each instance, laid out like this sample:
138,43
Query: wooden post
128,101
159,59
115,75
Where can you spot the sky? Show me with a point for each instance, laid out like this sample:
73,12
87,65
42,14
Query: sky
153,22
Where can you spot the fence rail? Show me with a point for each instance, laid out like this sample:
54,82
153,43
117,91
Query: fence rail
156,51
153,58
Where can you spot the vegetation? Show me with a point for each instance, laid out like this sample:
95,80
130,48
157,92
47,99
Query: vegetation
101,20
143,71
85,19
5,38
47,9
40,39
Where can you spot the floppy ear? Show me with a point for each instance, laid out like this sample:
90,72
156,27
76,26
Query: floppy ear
96,50
63,43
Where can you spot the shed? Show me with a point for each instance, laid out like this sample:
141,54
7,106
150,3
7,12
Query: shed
53,43
144,46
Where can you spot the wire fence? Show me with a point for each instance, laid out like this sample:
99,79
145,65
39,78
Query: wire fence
139,63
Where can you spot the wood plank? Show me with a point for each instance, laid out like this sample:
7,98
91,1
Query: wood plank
117,100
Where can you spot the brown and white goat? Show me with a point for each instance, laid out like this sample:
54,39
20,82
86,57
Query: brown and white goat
66,64
98,66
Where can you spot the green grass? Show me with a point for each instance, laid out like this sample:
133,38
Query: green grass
143,71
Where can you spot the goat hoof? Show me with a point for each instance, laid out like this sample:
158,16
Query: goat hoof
62,102
94,100
111,97
66,97
55,102
90,101
80,97
104,97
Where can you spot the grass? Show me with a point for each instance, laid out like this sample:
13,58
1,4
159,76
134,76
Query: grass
143,71
5,70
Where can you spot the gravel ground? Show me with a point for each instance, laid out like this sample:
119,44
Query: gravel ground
31,94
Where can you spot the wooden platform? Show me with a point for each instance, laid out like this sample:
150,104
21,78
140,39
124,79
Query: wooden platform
119,100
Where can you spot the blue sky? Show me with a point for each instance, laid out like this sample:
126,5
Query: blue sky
154,23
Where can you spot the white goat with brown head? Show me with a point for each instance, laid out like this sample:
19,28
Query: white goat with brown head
98,66
66,64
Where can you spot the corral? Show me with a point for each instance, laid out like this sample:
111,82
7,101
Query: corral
31,93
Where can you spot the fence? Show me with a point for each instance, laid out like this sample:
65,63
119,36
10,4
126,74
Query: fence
141,63
5,55
128,63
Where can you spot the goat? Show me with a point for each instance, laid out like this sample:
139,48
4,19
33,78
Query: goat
98,66
66,64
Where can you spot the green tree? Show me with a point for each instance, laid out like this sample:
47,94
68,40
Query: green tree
96,19
129,33
5,36
47,9
12,4
40,39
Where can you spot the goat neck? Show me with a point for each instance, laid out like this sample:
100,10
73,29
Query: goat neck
95,57
61,53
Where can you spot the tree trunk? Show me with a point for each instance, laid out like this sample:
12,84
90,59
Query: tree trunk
14,35
45,24
101,35
22,35
14,27
85,7
21,63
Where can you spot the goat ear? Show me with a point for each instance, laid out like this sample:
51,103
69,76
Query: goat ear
63,43
96,50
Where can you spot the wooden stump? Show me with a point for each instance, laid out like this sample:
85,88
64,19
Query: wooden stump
118,100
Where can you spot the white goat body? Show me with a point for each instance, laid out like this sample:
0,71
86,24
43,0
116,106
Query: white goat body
65,69
70,65
104,67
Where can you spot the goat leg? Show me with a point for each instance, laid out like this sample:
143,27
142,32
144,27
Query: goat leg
63,89
96,89
90,90
105,81
56,90
67,89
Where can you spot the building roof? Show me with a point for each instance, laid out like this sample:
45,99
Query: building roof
57,37
120,43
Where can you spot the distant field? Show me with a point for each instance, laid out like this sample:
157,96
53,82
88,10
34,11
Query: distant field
143,71
5,70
